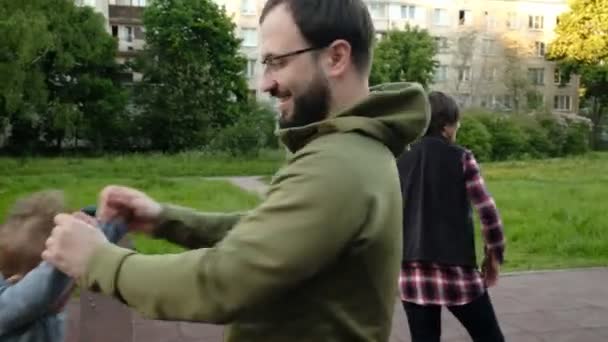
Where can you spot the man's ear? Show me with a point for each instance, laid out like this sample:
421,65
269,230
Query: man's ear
339,58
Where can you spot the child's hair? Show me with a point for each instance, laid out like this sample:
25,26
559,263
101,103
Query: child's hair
25,230
444,112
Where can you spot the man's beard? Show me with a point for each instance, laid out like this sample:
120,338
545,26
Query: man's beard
310,107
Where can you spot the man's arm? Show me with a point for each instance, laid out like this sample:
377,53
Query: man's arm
309,217
192,229
189,228
491,224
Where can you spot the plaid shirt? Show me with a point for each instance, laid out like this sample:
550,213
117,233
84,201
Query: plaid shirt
437,284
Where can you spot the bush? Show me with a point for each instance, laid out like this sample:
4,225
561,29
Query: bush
508,139
251,133
537,144
556,133
475,136
494,136
578,134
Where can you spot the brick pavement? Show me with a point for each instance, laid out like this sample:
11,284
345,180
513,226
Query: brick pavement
557,306
553,306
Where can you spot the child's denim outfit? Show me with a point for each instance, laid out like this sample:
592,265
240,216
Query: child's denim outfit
26,307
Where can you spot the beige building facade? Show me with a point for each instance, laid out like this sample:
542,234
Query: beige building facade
491,53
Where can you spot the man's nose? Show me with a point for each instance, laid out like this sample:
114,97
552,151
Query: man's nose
267,84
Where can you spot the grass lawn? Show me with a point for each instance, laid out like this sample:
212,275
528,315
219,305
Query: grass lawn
553,210
83,190
144,165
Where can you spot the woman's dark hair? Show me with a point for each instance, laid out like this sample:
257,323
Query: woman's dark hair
444,112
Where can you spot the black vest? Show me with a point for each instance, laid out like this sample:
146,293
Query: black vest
437,216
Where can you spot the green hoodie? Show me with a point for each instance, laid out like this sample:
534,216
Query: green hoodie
318,260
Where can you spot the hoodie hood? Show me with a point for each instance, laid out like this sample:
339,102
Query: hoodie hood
395,114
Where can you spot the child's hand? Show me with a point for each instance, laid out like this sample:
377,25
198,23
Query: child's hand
14,279
86,218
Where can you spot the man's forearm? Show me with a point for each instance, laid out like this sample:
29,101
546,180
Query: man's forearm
192,229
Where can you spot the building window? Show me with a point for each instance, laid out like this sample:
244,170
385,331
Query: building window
536,76
250,37
535,100
465,17
441,43
441,73
463,100
440,17
135,3
512,22
487,46
562,103
408,12
129,33
464,74
250,72
490,21
139,32
557,76
539,49
504,102
536,22
378,10
489,74
114,30
487,101
248,7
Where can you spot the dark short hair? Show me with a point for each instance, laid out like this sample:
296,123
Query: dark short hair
444,112
323,21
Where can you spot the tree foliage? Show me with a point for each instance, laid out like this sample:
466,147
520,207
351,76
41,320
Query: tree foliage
404,55
582,33
581,47
56,67
193,81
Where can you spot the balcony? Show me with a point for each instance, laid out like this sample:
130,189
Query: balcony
121,14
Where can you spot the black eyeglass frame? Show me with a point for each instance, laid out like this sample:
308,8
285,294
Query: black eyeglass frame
272,59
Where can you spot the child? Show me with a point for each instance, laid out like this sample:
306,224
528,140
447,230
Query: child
32,292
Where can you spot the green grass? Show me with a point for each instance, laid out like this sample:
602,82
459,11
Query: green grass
553,210
137,165
80,191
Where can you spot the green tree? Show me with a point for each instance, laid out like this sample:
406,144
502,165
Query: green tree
581,47
582,33
193,79
404,55
53,57
594,85
24,39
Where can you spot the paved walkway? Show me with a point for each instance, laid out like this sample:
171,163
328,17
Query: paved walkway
556,306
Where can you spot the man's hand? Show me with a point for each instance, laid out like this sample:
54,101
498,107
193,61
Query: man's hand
138,210
72,244
490,269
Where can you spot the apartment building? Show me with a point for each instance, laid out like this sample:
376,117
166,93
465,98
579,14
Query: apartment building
491,52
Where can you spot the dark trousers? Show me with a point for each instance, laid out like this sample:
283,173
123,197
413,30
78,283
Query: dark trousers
477,317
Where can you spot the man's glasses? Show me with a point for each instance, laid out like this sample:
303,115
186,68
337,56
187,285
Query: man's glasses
276,61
